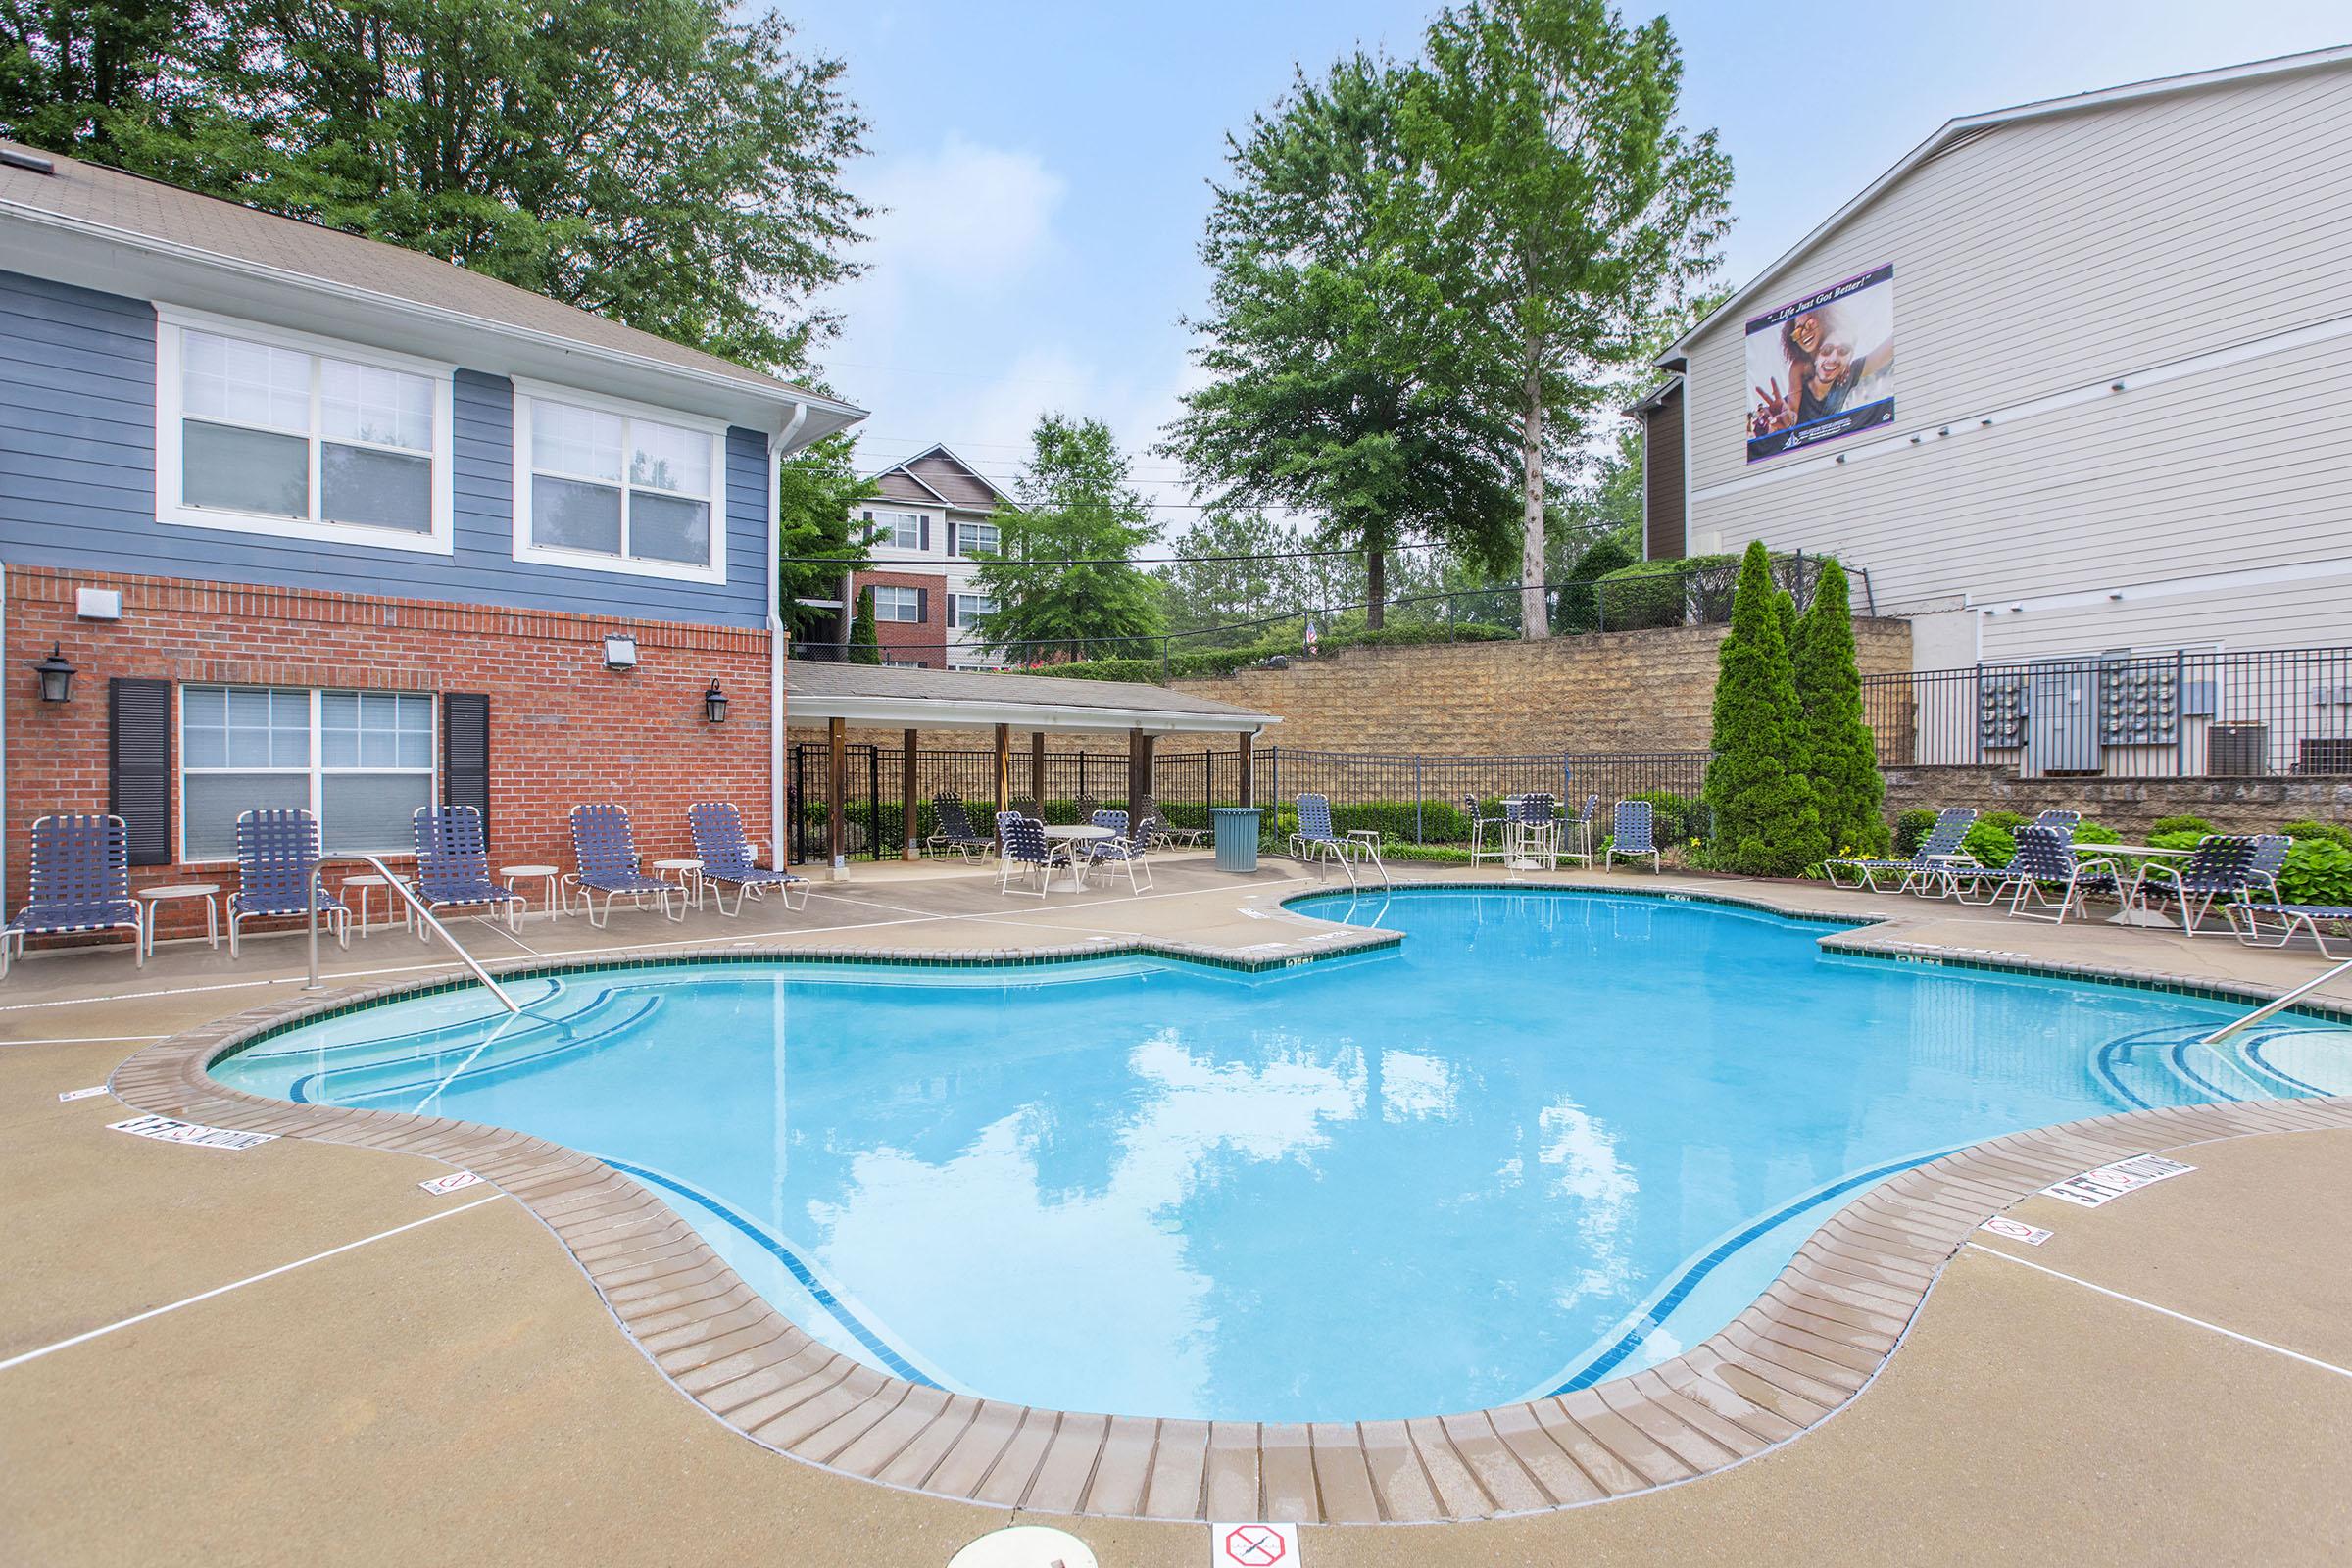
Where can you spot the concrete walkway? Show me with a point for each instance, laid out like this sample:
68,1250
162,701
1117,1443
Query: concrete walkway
443,1381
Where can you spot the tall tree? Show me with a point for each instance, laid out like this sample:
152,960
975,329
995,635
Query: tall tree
865,642
1766,822
670,164
1062,573
86,75
1840,754
1585,211
817,493
1337,339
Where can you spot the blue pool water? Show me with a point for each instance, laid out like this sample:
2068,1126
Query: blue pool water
1551,1137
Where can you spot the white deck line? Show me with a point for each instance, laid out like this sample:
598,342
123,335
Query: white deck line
236,1284
2243,1338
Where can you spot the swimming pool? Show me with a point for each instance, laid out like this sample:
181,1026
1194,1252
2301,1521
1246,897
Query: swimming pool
1552,1135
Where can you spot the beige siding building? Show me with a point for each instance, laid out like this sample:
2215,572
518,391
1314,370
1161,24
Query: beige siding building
2121,370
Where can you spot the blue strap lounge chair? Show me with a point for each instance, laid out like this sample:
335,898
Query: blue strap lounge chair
275,851
726,856
2222,867
1027,851
604,852
2248,915
1315,841
2269,859
81,881
952,829
1630,836
1155,830
2055,878
452,864
1119,850
1925,869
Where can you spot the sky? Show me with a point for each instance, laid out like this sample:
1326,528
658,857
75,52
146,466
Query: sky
1045,167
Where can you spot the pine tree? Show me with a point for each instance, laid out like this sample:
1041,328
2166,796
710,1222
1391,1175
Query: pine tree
865,643
1766,823
1840,754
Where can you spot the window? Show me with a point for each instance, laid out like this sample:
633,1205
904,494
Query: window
359,762
976,539
899,604
965,609
904,663
263,431
901,530
603,485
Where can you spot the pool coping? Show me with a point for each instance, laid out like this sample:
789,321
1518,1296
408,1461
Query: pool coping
1795,1356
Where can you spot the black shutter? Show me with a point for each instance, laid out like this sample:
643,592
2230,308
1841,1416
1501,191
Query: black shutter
926,530
138,764
465,752
922,606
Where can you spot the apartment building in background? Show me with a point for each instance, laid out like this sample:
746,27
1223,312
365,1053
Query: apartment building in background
935,513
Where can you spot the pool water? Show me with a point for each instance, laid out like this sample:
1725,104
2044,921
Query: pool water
1551,1137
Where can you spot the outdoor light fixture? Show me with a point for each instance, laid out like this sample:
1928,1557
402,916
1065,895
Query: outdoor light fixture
620,652
715,705
57,676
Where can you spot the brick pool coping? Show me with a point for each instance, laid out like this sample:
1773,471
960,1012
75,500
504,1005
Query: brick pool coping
1793,1358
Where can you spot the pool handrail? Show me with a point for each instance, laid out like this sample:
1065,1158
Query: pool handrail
2276,1004
400,889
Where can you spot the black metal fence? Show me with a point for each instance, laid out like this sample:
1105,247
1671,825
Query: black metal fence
1418,798
2166,716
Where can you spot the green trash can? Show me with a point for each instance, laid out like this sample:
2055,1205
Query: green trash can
1237,836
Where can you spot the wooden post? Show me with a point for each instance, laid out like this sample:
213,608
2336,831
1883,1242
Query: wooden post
1151,780
1005,769
1136,787
1247,740
1037,770
837,785
907,793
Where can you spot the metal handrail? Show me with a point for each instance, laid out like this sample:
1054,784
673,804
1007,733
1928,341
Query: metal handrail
2276,1005
400,889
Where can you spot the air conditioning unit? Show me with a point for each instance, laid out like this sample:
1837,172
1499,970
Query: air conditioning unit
2239,750
2324,755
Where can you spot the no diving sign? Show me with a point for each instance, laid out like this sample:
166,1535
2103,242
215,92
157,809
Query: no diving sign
1253,1546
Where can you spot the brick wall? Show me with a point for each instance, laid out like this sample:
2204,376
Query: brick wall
910,640
2128,806
563,728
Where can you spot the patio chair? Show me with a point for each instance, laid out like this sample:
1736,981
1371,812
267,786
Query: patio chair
81,881
1925,867
1584,823
1630,836
1027,851
2289,918
1119,850
275,851
2059,816
452,864
1480,824
952,829
1316,843
2269,859
1164,831
1993,882
604,848
1535,830
2222,867
726,856
2046,860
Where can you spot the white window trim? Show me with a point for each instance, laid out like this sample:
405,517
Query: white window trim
894,589
317,768
956,601
963,549
880,523
173,319
526,549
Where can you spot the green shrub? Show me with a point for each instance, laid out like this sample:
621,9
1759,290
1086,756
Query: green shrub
2318,870
1837,752
2094,833
1652,593
1991,842
2178,839
1911,830
1760,805
2328,832
2180,824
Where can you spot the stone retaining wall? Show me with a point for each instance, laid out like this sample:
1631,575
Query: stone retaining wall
2129,806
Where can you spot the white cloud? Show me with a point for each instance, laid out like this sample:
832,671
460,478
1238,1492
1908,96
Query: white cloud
966,216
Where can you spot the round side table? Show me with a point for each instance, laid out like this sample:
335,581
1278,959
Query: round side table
553,899
689,876
173,892
394,904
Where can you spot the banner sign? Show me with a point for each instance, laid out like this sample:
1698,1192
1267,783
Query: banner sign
1822,366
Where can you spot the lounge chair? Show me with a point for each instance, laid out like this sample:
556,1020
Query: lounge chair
1926,867
1315,841
2269,859
452,864
952,829
1163,831
2289,918
1119,850
1480,823
2059,816
1630,836
726,856
275,851
1027,851
81,881
604,848
2222,867
2046,860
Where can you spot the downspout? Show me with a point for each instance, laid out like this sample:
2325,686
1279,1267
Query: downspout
777,637
4,903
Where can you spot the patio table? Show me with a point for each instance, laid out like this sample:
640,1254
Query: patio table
1075,835
2130,913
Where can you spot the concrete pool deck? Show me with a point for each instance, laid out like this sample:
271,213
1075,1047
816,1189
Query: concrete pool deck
461,1383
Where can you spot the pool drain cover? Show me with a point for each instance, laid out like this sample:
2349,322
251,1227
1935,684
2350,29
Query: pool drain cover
1025,1546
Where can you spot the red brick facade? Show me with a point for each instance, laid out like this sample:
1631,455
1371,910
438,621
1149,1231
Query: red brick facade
564,729
907,640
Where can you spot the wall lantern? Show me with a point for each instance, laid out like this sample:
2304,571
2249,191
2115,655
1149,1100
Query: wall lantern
57,676
620,652
715,705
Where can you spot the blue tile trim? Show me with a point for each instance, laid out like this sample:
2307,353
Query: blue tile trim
798,1270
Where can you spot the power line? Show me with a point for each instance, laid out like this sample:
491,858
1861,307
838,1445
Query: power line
1102,561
